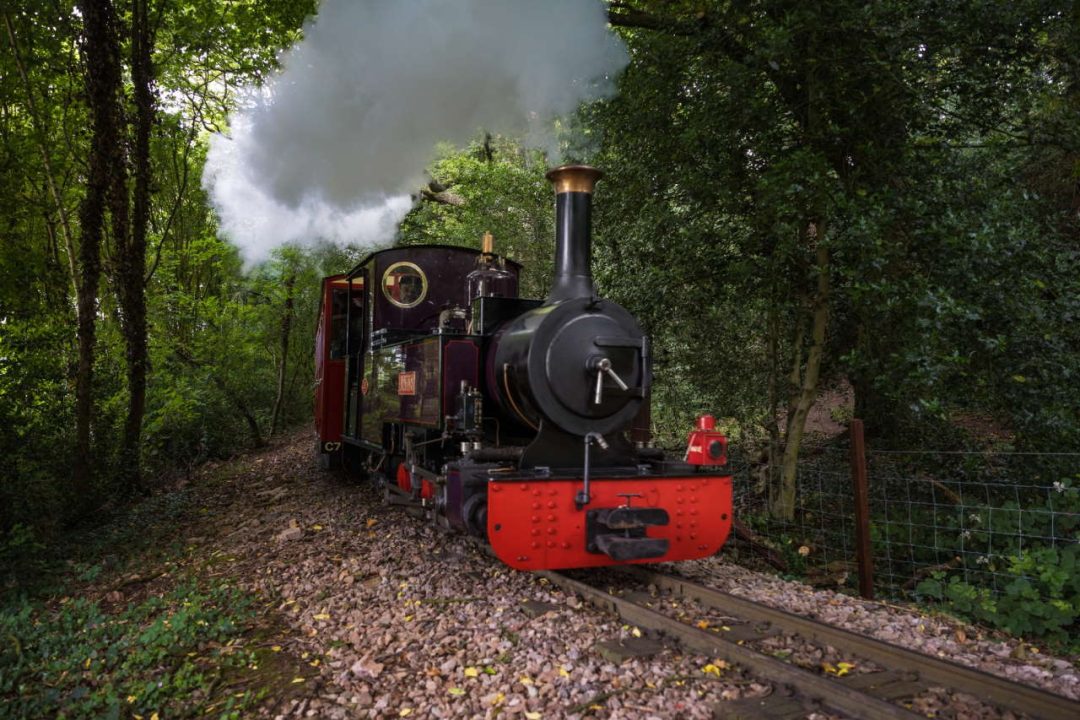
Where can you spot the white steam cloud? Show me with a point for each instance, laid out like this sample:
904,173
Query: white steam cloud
333,145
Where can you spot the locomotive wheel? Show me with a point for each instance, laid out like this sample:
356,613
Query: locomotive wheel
475,512
353,462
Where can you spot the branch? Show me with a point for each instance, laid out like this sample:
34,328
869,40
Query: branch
759,546
438,193
175,208
621,15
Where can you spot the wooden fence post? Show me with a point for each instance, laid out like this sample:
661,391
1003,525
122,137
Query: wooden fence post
863,554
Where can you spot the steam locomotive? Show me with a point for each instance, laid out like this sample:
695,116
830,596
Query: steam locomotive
522,421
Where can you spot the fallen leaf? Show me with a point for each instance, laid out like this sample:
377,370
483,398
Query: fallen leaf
405,712
525,680
154,715
564,672
711,669
296,680
703,624
804,550
316,528
533,715
322,616
843,669
490,671
471,672
371,523
276,648
497,700
132,698
636,632
961,636
456,691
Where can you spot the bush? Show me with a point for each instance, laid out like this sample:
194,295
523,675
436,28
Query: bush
1041,596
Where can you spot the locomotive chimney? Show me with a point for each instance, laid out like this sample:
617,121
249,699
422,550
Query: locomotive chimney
573,231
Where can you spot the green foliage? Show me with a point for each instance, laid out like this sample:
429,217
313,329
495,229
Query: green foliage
213,324
160,655
953,266
495,186
1041,595
1017,560
21,555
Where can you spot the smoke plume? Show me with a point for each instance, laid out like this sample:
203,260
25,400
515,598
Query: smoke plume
333,145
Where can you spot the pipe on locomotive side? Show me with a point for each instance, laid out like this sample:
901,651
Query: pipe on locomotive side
573,231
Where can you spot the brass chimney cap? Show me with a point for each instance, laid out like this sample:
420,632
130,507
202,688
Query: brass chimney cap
574,178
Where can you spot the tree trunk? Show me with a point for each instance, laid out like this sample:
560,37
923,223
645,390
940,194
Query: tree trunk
793,388
783,503
773,332
101,54
286,326
132,250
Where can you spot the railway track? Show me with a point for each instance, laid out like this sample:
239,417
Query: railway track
871,696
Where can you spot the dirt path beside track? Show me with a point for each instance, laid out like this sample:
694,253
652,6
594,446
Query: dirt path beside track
365,611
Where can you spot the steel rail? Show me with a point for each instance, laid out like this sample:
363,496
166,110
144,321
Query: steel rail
815,688
930,670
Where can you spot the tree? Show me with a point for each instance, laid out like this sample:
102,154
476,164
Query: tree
744,131
131,248
495,185
105,187
286,327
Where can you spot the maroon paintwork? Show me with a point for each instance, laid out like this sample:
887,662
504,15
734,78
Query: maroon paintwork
414,377
447,270
329,361
415,383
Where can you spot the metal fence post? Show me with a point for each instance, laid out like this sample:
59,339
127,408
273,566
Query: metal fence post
863,554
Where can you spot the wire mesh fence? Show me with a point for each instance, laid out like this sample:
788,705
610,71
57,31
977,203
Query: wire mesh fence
990,534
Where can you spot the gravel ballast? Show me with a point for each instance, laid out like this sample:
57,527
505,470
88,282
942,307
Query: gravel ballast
394,618
935,635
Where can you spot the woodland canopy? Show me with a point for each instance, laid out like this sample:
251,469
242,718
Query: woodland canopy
798,195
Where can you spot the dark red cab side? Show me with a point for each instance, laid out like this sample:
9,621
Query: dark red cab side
342,306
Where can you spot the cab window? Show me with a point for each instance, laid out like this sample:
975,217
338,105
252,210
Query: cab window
339,308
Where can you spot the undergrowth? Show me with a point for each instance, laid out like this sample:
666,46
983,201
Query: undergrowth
175,649
162,657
